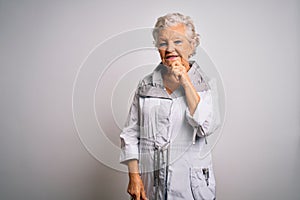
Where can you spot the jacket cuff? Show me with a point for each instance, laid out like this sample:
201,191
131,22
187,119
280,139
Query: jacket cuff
201,118
200,115
129,152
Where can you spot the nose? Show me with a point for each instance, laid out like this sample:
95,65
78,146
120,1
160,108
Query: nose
170,47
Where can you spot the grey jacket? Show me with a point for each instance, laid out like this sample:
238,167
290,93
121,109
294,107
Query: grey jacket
161,133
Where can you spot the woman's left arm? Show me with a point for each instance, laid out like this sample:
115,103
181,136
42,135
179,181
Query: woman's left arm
192,97
199,113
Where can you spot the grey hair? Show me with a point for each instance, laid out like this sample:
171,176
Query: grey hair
173,19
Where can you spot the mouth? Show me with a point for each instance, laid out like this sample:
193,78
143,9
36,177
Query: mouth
171,57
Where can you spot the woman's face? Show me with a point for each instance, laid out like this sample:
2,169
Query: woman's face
173,45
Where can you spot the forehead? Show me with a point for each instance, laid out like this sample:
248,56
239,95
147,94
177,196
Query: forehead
178,30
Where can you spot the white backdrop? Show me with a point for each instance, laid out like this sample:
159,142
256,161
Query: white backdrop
254,45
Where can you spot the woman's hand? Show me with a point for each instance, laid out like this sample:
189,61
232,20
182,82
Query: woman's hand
136,187
179,71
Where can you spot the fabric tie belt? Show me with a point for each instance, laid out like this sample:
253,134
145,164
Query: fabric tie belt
161,164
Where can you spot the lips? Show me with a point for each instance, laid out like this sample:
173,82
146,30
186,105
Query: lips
171,57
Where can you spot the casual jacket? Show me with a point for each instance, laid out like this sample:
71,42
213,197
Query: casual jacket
166,140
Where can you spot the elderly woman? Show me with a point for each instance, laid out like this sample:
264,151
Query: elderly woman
169,120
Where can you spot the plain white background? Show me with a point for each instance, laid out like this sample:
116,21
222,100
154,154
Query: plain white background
254,45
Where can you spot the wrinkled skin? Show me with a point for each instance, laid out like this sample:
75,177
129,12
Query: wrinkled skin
136,187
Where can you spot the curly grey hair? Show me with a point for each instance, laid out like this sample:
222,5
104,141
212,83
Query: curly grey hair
173,19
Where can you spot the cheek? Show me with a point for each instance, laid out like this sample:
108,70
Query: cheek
183,52
187,51
162,54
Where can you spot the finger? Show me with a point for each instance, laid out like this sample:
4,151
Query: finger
176,63
137,197
179,68
177,72
132,193
179,65
143,195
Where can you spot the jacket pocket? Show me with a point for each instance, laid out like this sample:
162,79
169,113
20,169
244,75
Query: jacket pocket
201,186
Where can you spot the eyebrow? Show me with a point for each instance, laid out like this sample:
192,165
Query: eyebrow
175,38
161,38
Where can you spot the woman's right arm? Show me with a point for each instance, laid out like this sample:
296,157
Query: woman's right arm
135,185
130,150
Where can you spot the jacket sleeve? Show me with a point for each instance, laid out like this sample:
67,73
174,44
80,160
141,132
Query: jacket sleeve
202,119
130,133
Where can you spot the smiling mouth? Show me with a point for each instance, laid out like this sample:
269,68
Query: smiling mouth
171,57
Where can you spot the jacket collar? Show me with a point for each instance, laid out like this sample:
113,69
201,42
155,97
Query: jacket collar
155,88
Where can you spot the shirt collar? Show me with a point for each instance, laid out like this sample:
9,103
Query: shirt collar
197,76
156,88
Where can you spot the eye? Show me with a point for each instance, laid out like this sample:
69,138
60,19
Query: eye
177,42
162,44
